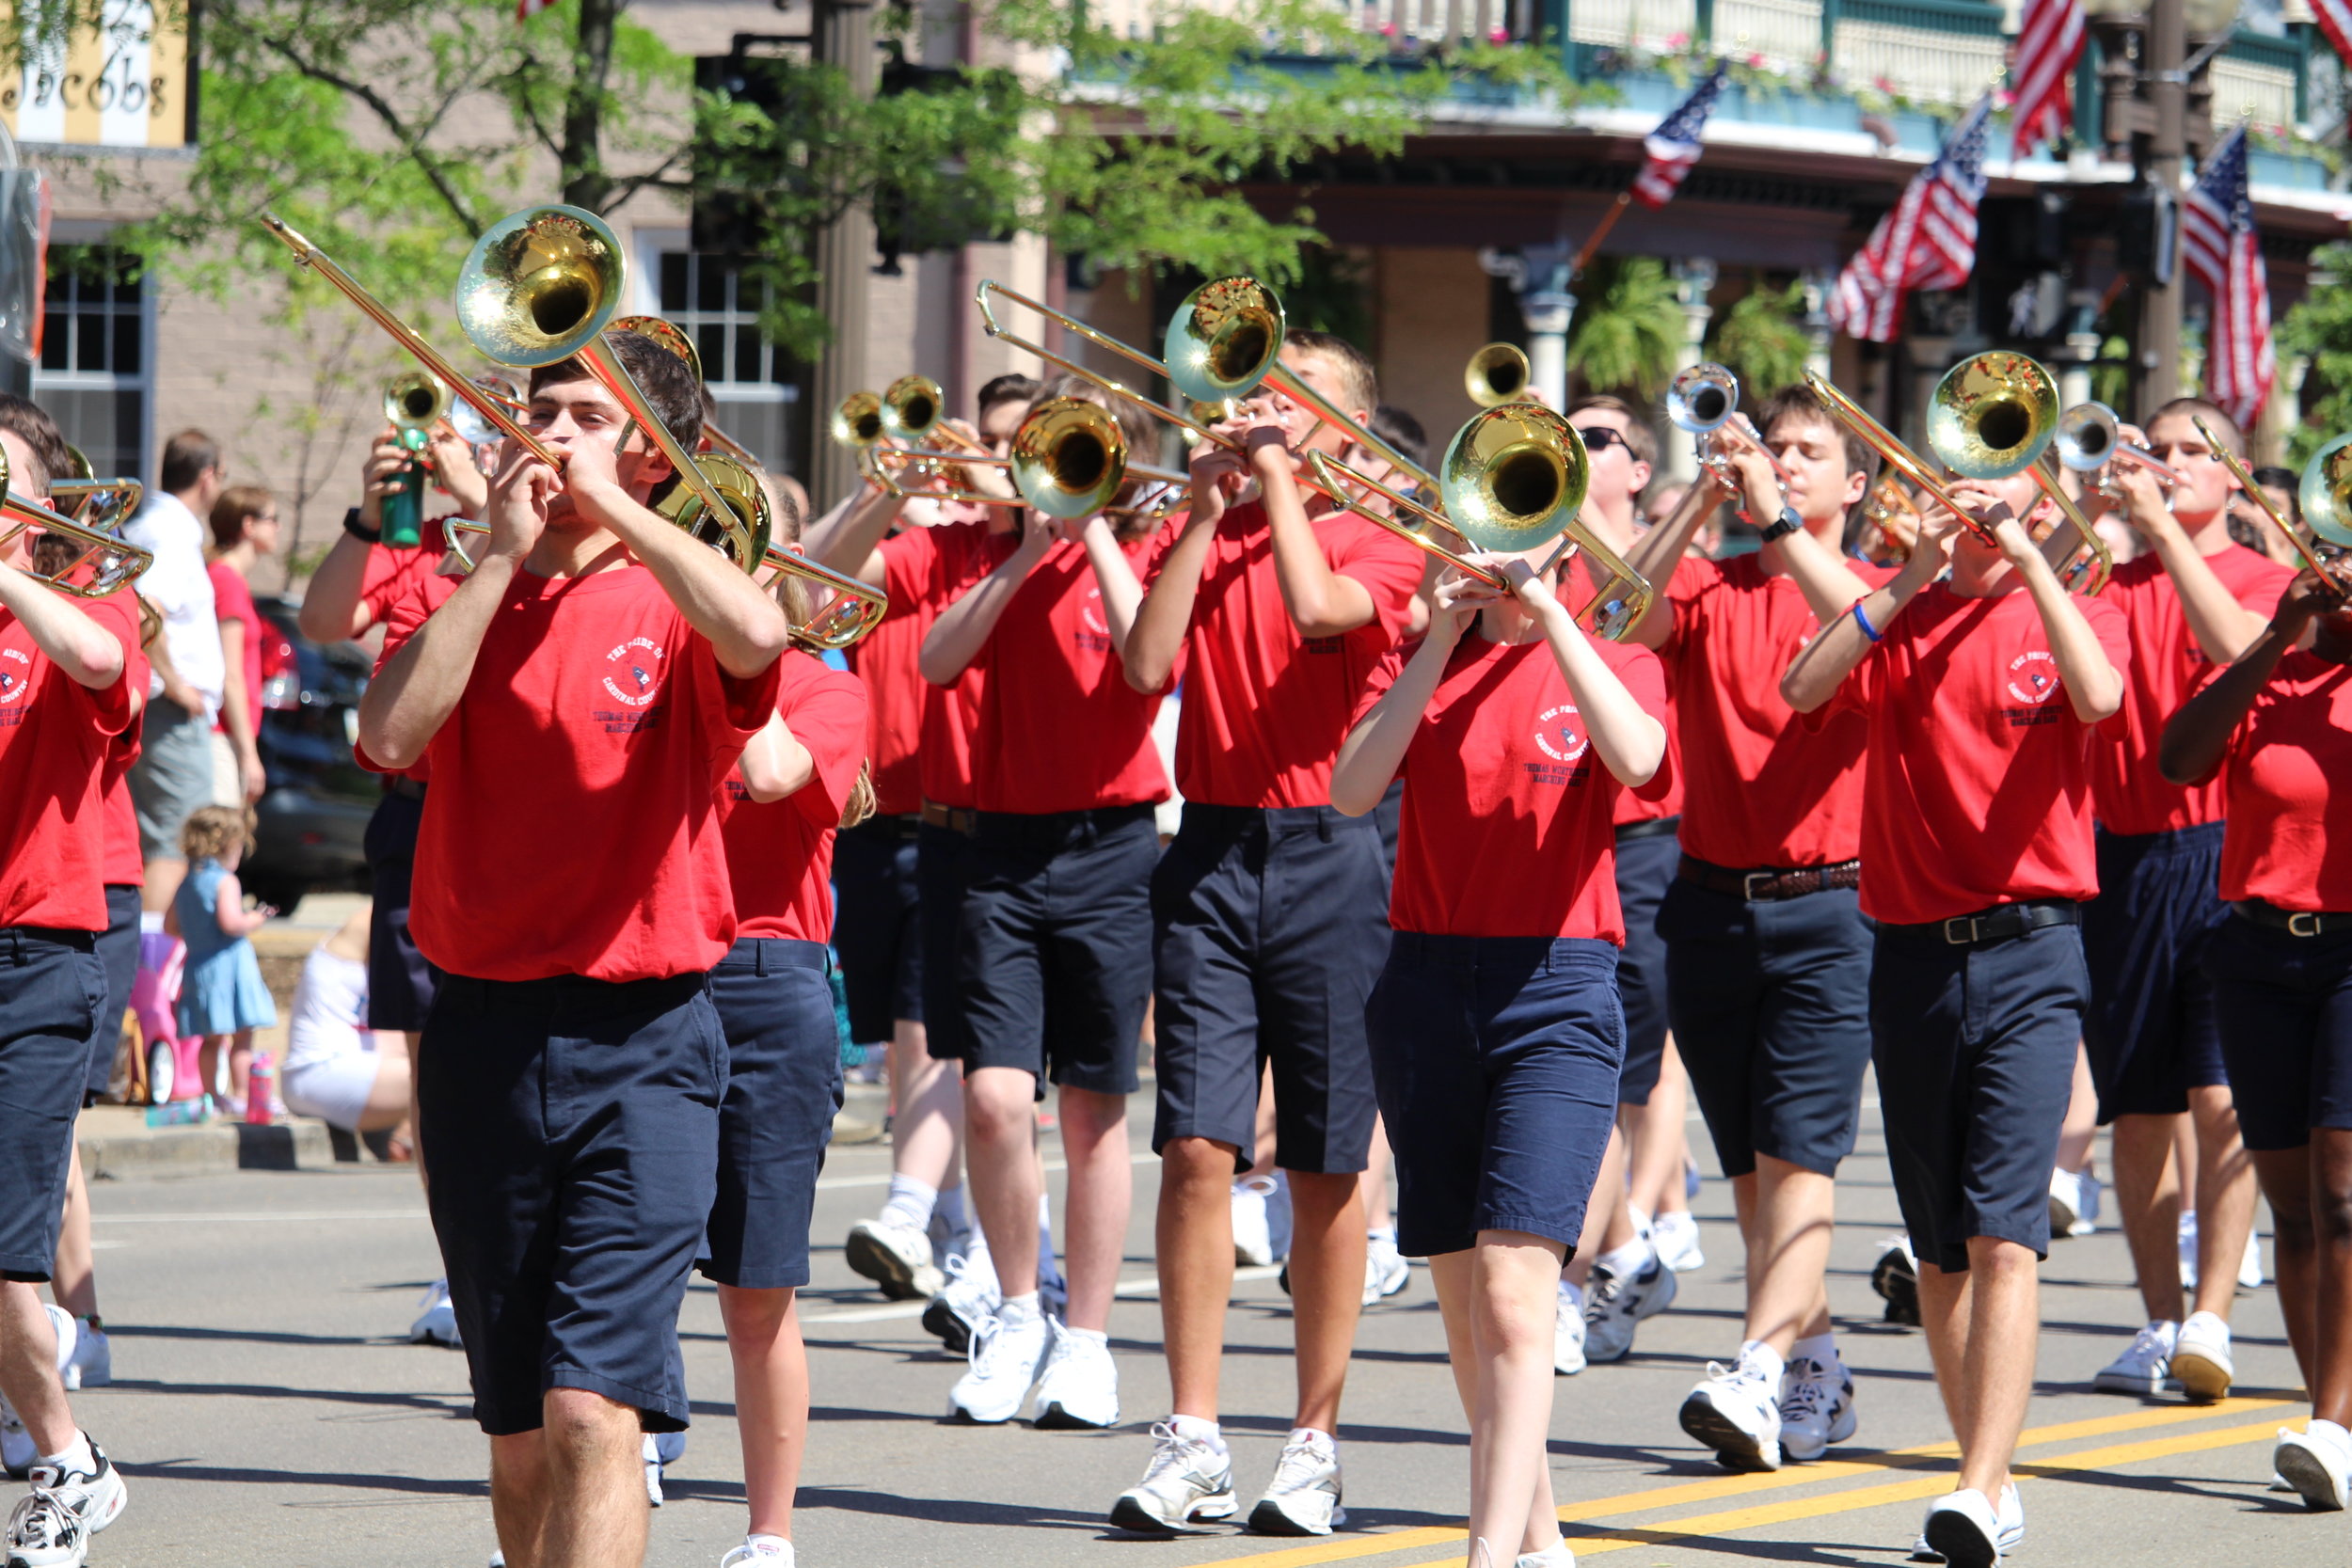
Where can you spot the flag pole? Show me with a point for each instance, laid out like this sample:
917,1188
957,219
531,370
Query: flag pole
1592,244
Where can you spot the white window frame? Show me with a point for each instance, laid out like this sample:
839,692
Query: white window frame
90,231
652,243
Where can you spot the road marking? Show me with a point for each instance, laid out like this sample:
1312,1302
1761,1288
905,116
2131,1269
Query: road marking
1146,1285
835,1184
1717,1487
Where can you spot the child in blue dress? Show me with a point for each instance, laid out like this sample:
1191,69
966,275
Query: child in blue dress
221,994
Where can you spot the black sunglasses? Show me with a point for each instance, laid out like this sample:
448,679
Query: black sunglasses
1597,437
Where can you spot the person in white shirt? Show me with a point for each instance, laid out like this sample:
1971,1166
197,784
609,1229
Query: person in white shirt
173,775
336,1068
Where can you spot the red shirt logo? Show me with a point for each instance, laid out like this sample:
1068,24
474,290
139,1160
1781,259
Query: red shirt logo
16,675
1557,737
633,672
2033,678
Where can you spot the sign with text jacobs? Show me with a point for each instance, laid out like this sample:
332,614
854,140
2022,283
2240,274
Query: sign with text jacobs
97,72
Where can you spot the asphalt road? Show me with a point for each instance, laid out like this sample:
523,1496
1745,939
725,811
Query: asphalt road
268,1412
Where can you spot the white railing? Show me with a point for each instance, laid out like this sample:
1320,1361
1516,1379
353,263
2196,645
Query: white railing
1931,67
2241,87
1646,24
1785,35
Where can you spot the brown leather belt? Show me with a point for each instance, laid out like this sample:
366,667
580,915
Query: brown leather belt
954,818
1769,885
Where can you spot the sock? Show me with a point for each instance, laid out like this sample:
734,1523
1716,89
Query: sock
1573,1294
1046,1267
1820,1348
769,1545
1194,1429
1626,1260
1100,1335
1382,1233
1018,1310
1556,1552
76,1456
2317,1427
1642,1225
95,1324
1309,1434
909,1203
1765,1359
949,1206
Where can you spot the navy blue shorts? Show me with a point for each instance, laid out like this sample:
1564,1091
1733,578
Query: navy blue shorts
784,1085
572,1130
2149,1033
1975,1051
1269,928
939,882
1646,857
51,989
875,927
2284,1004
118,951
400,979
1771,1004
1055,965
1496,1059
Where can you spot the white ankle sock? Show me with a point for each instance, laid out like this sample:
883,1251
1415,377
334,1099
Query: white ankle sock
950,1210
774,1547
1764,1358
1626,1260
76,1457
1821,1348
1018,1310
1193,1429
2318,1428
909,1203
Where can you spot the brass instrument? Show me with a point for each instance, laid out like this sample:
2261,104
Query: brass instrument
857,421
670,337
71,556
2090,438
1069,459
2326,493
2306,539
101,505
1514,478
1496,374
1888,506
1704,401
413,404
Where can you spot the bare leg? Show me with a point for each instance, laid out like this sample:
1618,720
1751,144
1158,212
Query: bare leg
2081,1127
1602,1217
165,874
28,1368
596,1513
1101,1193
1512,1275
770,1400
518,1496
2225,1197
927,1123
391,1097
1000,1122
1192,1239
1999,1300
1327,1289
1946,1303
2331,1183
2148,1204
74,1278
1375,1180
1658,1132
1795,1212
2286,1175
241,1062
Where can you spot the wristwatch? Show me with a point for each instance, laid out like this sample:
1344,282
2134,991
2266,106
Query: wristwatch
360,530
1782,526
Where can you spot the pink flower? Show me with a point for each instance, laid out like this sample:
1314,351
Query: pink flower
1679,40
1499,35
1756,60
1388,29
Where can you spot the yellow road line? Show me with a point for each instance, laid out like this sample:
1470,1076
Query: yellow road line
1717,1487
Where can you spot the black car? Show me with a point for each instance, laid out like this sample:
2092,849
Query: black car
313,817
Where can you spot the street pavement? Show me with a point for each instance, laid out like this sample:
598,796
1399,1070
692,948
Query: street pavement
269,1413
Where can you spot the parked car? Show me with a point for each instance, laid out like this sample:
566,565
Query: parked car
314,816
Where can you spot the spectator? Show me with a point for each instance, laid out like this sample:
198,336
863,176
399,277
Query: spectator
245,528
221,993
173,775
2248,525
336,1068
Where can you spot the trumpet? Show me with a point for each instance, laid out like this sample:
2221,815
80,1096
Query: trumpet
2090,438
1705,401
2319,492
72,557
1496,374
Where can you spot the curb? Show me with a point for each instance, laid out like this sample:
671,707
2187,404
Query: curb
201,1150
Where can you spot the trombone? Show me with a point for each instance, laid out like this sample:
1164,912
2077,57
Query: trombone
413,404
1704,401
1069,459
1496,374
2322,496
74,557
670,337
1513,478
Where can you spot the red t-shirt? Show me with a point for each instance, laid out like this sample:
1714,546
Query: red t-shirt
233,600
393,570
126,862
1978,785
56,735
780,852
2280,782
1506,827
575,825
1264,709
1767,791
886,659
1060,729
2129,793
928,569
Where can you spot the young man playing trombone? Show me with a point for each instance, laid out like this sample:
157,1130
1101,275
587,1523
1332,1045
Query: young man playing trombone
1981,694
1269,927
602,668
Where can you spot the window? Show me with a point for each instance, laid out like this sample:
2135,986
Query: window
93,373
760,388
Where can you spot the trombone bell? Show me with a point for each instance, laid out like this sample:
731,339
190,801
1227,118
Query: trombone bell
1068,458
1497,373
1223,339
858,421
540,286
1992,415
1513,478
2326,493
2088,434
911,408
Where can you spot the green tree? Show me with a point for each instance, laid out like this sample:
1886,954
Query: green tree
2320,326
1627,331
1762,338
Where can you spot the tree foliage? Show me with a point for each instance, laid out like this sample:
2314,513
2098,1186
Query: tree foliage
2320,326
1627,332
1762,338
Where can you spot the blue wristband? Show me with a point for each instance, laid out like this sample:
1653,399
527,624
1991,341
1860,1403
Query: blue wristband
1864,621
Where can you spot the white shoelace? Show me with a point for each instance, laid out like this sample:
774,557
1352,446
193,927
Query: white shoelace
2149,1345
46,1518
1172,1450
1811,1391
1302,1464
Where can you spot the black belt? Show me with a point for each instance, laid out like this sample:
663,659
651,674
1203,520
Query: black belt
900,825
1770,884
2295,922
1656,827
403,786
2001,923
954,818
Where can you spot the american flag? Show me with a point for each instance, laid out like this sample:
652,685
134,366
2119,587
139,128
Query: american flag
2049,44
2335,20
1927,242
526,9
1674,146
2222,250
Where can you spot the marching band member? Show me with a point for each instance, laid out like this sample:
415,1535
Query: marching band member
2194,601
1267,910
1980,693
800,777
1054,967
63,702
2275,728
1768,960
605,669
1496,1029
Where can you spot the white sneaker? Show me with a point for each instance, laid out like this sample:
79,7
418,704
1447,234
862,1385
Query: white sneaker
1964,1528
1815,1407
1253,1221
1386,1272
2200,1359
1078,1386
2145,1366
52,1525
1568,1332
2315,1464
1895,1277
2066,1201
2249,1268
969,1299
2008,1517
768,1554
1187,1482
1304,1499
653,1471
1676,1236
1737,1413
1004,1361
1614,1307
2188,1249
93,1363
437,1323
1554,1556
898,1258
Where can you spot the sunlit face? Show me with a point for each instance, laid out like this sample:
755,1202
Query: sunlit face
2206,484
2018,492
1811,447
999,423
1617,475
571,413
21,467
1301,430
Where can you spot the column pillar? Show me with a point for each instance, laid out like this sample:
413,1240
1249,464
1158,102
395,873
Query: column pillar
844,36
1539,276
1694,280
